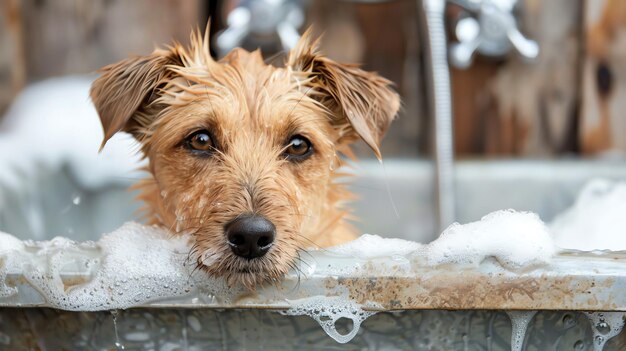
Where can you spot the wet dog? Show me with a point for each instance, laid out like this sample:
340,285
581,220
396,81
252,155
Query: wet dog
243,156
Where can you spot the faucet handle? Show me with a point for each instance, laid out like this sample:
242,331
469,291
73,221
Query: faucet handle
527,48
493,32
262,19
467,32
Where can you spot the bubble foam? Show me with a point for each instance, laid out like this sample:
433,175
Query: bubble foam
139,264
519,325
52,111
9,246
596,221
327,311
373,246
515,239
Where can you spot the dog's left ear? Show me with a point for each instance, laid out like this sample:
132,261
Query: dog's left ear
364,100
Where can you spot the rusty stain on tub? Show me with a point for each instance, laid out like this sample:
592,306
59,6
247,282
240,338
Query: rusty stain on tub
474,291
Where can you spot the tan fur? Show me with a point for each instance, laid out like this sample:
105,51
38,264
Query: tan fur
252,109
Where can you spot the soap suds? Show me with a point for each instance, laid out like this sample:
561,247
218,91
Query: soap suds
327,311
9,245
515,239
597,219
140,264
519,325
54,124
371,246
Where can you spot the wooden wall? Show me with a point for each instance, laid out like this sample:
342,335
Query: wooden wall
44,38
509,107
12,61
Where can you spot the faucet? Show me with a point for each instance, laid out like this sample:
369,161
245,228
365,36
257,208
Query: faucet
491,31
262,18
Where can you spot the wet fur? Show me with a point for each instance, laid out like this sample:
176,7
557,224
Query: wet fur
252,109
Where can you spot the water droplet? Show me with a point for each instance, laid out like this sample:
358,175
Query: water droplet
194,323
579,345
76,200
118,343
568,321
598,340
603,327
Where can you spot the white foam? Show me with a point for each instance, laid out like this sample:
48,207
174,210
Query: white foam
8,245
140,264
54,123
519,325
327,310
515,239
597,219
371,246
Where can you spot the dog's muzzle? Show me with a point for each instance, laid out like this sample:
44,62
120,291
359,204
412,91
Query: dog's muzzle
250,236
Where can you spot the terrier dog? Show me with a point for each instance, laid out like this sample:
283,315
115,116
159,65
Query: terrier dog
243,155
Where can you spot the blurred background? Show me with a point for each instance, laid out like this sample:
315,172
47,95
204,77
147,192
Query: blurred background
567,102
509,102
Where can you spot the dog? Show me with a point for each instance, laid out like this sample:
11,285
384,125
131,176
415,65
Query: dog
244,156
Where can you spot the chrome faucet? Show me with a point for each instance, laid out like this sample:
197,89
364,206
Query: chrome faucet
262,18
491,30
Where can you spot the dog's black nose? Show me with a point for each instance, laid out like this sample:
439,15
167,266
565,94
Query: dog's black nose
250,236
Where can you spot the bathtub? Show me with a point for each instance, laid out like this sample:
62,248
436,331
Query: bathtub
579,298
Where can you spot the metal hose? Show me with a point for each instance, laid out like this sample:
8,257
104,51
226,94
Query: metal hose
438,80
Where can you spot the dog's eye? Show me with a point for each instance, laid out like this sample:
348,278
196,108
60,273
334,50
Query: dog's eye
200,141
298,148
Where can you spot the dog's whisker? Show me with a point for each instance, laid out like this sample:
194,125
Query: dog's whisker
268,60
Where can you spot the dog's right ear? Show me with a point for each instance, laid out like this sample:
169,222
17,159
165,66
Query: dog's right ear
126,89
364,101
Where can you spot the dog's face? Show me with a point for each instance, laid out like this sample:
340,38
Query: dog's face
243,154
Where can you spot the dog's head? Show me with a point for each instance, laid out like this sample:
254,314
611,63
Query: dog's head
243,154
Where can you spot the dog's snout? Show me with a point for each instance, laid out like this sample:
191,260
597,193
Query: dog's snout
250,236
